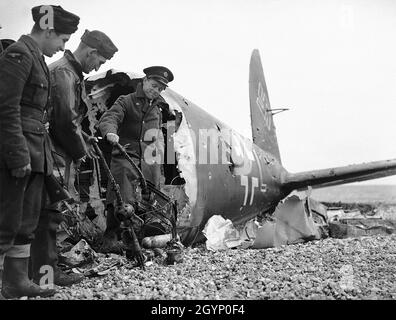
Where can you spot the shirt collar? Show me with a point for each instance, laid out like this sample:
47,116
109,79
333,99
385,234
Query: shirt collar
32,43
34,48
139,91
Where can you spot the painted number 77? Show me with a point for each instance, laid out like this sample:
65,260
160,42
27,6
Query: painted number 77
245,183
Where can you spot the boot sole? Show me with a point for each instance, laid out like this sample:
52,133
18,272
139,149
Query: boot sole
15,295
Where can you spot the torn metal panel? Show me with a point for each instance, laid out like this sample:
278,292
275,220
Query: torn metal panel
221,234
294,221
184,148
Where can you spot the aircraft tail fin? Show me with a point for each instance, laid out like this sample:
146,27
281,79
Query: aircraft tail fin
339,175
263,128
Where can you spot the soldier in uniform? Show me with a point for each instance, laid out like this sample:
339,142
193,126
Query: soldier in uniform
134,119
67,110
25,157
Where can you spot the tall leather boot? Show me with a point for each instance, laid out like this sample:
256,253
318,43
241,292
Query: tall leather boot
16,282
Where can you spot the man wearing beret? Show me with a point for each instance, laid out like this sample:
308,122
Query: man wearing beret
136,120
67,110
25,157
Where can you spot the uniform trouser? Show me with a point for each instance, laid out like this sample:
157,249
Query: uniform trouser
44,252
20,204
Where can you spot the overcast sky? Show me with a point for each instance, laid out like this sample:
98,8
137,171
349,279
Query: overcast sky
333,63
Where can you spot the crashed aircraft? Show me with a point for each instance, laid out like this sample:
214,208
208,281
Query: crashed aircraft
207,167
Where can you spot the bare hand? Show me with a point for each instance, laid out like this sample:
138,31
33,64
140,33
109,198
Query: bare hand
78,162
21,172
91,153
112,138
92,140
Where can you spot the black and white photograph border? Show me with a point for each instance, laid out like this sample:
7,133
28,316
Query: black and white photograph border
274,151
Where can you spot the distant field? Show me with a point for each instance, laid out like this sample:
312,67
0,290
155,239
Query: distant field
357,193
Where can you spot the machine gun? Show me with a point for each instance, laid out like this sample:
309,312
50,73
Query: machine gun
124,212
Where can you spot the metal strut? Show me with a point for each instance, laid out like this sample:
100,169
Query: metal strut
146,191
123,211
143,182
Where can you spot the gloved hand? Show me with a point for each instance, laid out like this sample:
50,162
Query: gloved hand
112,138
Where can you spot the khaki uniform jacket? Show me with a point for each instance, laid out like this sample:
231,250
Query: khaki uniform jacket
68,106
24,95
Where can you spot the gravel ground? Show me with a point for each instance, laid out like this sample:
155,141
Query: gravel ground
353,268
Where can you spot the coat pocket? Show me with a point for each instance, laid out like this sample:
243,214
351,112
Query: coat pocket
41,93
32,126
34,133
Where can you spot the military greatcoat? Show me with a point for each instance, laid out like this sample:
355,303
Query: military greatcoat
137,121
24,95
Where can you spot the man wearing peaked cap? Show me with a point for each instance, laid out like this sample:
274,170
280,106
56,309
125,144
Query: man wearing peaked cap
67,110
160,74
25,154
135,119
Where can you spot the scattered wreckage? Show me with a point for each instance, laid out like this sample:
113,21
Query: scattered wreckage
297,219
208,170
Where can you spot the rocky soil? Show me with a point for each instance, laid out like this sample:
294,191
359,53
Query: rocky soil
353,268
